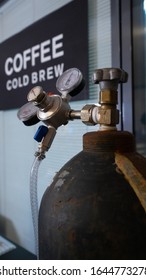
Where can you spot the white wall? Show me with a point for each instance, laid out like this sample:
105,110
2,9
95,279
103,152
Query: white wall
17,146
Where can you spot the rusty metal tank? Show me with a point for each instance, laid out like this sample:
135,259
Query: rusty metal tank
95,206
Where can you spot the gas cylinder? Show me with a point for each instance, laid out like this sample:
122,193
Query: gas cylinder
95,206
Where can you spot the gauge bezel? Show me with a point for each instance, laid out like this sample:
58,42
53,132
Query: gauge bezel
75,87
30,116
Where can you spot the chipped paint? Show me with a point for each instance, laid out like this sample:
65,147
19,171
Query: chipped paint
59,184
61,180
63,174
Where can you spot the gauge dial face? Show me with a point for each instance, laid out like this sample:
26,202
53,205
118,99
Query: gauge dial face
34,93
69,80
27,111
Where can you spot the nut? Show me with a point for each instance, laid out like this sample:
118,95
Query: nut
108,116
108,97
86,114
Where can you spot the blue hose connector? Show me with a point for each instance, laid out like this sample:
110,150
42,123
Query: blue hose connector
40,133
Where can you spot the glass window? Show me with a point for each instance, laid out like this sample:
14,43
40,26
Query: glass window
18,154
139,73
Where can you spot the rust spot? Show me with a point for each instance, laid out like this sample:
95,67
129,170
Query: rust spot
72,235
73,201
58,203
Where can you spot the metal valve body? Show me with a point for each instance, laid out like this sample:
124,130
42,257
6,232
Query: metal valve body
90,211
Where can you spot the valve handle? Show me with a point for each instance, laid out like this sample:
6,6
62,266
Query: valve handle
41,133
36,94
109,77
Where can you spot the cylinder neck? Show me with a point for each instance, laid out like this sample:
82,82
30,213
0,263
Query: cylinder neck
109,141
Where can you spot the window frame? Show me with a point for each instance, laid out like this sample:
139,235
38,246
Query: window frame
121,21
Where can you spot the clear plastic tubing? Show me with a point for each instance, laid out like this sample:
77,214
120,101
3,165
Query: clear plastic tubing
34,200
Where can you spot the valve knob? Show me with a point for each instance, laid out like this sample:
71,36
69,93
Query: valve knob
108,78
41,132
36,94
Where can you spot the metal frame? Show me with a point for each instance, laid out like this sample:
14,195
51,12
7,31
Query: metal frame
121,16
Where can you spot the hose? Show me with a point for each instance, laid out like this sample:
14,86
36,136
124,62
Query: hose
39,156
34,200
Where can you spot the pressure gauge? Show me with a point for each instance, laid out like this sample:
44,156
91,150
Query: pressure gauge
70,82
35,94
28,114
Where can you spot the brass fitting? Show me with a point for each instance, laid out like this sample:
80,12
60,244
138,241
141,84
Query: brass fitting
46,143
108,96
108,80
108,116
86,114
107,113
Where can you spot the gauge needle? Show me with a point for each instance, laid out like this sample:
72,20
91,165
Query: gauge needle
33,92
69,79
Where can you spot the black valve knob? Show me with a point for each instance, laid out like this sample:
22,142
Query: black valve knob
108,78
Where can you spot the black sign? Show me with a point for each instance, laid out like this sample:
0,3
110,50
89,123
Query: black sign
42,52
